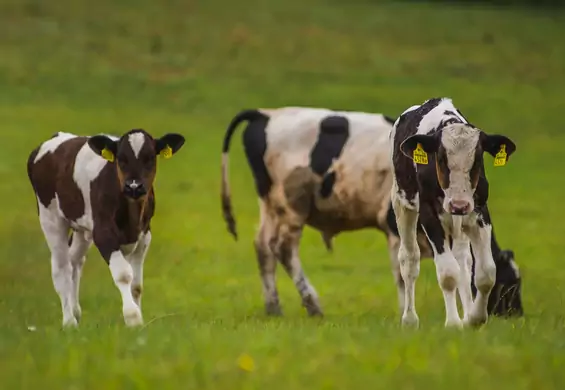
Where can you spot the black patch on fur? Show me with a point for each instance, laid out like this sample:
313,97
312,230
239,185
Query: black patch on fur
429,218
391,220
403,166
255,145
389,119
334,132
327,185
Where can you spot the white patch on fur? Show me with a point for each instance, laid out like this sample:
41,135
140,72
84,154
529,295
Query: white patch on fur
432,119
88,166
136,141
52,144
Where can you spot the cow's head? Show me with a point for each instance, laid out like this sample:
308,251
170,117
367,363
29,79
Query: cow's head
135,157
458,149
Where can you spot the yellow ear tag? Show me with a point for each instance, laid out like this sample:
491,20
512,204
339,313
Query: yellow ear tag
500,158
420,157
107,154
167,152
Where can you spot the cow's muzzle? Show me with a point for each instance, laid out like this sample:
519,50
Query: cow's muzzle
134,189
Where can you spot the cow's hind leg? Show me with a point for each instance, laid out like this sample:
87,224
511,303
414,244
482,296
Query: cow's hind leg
56,231
267,261
393,247
78,247
288,255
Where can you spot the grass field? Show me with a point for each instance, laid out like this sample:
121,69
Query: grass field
190,66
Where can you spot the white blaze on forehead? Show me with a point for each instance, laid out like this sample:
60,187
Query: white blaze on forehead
460,142
136,140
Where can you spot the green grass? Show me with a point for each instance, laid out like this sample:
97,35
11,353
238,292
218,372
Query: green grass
189,66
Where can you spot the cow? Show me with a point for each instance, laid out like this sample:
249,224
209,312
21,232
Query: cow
439,184
98,188
327,169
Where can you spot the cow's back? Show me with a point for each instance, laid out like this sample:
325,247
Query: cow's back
361,192
60,171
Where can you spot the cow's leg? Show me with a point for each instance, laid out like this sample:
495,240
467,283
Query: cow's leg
447,269
289,258
56,231
485,270
463,256
106,240
267,261
409,258
137,259
393,247
77,252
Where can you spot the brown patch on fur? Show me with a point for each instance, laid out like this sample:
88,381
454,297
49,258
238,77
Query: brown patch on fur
53,174
136,292
425,248
299,187
124,278
121,176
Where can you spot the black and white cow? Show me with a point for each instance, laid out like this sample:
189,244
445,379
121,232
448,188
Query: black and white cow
327,169
98,189
440,184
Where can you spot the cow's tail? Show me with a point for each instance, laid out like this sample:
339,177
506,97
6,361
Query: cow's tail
246,115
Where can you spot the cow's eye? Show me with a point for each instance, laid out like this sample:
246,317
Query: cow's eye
123,160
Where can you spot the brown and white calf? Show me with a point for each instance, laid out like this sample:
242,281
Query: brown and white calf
99,189
440,185
330,170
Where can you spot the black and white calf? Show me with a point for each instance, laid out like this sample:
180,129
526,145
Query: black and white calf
98,189
440,183
327,169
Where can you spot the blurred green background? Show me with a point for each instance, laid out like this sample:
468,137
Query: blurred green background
190,66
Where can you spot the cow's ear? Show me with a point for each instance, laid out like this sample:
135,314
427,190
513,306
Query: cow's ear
498,145
104,146
418,146
169,144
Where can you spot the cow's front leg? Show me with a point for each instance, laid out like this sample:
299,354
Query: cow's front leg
409,259
137,259
107,243
462,254
485,269
447,268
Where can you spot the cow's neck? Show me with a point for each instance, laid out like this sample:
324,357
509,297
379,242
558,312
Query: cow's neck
131,217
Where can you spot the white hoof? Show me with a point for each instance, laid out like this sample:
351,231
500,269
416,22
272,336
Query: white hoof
132,317
454,324
70,323
410,320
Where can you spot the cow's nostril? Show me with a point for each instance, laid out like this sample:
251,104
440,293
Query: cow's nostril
458,207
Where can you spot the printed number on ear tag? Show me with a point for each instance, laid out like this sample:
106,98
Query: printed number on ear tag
420,157
167,152
500,158
107,154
